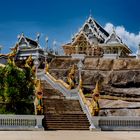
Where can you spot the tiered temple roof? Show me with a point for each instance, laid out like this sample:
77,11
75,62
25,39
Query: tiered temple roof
92,29
27,47
93,36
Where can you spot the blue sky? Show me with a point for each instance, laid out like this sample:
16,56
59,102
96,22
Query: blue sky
59,19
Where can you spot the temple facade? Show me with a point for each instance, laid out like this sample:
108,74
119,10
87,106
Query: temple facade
93,40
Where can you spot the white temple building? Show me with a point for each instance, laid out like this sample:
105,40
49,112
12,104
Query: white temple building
93,40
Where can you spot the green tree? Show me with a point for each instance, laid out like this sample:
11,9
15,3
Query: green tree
2,72
18,89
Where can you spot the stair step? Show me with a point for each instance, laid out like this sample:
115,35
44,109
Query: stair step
61,113
71,114
65,128
66,124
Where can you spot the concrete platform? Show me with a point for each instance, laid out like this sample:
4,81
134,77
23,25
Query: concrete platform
68,135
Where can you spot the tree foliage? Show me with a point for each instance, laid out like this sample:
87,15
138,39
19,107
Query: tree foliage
16,89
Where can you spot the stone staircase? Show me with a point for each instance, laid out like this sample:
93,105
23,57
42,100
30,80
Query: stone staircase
61,113
66,122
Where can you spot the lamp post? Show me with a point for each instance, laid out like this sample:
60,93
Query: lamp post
36,63
46,49
46,39
0,48
54,47
80,66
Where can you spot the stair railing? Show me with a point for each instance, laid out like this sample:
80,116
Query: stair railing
85,107
58,84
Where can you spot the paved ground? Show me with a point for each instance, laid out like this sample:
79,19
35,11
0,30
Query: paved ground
68,135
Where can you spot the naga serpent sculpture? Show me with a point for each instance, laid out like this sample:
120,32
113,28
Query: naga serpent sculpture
94,107
38,102
71,77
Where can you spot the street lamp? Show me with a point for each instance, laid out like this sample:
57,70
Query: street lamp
46,39
46,49
0,48
54,46
36,63
80,66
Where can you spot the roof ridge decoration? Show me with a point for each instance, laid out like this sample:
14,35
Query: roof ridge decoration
28,40
113,38
20,37
93,29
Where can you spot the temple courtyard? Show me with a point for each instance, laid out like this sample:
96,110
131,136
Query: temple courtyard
69,135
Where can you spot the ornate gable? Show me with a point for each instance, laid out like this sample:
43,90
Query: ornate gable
25,42
81,41
113,38
94,32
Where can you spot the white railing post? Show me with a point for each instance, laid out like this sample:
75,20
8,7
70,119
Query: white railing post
39,121
86,111
21,122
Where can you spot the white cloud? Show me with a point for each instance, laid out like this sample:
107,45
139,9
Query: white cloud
130,39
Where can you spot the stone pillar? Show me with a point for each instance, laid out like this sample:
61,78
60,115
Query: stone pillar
138,52
39,119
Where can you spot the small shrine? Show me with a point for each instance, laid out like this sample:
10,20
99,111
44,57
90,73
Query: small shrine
27,47
24,48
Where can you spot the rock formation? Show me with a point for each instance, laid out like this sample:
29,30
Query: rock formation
120,92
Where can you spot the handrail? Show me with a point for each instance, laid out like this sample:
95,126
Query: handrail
58,84
58,81
85,107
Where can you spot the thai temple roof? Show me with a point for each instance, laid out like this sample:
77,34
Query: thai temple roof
92,34
92,29
113,38
35,43
28,42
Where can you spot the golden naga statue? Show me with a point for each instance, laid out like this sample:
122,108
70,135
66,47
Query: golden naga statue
29,62
46,68
11,61
33,70
94,106
71,77
13,52
80,83
38,102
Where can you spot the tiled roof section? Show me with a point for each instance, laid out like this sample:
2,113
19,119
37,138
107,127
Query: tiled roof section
101,29
92,29
113,38
32,41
